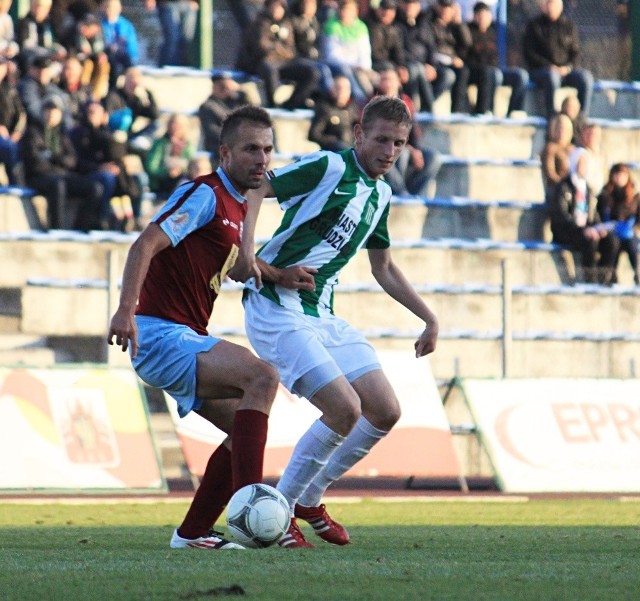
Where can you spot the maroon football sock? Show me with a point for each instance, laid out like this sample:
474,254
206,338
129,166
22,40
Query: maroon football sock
248,438
211,497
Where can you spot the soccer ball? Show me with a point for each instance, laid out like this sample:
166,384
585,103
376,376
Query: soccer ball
258,515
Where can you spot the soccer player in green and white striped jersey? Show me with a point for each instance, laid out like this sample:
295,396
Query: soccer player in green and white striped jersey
335,204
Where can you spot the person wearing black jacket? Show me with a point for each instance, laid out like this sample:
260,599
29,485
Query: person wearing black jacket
50,164
12,124
551,49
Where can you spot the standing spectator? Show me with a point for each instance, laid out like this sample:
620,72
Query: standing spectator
167,161
452,39
624,39
482,59
13,119
416,169
551,48
120,39
50,161
334,117
225,97
135,106
619,209
8,46
555,154
178,20
428,79
346,48
573,215
268,50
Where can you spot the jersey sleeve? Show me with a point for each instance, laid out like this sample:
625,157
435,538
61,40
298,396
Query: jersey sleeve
379,238
189,208
295,181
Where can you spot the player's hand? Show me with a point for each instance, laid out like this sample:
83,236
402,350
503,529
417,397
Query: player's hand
298,277
244,268
123,327
427,342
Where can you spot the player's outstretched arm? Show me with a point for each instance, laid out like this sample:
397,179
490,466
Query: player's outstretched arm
123,326
396,285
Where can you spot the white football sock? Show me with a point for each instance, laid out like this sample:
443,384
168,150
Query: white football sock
309,456
356,446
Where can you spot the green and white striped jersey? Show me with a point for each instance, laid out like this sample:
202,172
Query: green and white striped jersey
332,209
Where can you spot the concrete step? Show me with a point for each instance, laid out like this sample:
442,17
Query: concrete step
20,349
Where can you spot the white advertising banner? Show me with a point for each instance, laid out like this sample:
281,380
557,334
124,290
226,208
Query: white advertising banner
559,435
420,445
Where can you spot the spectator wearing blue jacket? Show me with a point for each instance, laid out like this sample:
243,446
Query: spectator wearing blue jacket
120,39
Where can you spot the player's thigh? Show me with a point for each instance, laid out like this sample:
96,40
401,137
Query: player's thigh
229,370
379,402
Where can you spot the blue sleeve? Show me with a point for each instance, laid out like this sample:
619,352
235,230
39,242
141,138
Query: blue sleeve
186,211
132,42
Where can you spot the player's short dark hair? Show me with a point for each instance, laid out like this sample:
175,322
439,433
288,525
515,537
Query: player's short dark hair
254,115
387,108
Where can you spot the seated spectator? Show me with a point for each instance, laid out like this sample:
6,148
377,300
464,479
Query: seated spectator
416,169
120,39
428,79
198,165
8,46
50,161
268,50
591,139
555,154
482,59
452,40
551,48
574,219
71,84
167,161
386,38
65,14
35,36
88,45
346,48
36,86
619,209
100,157
135,108
226,96
178,20
334,117
571,108
13,120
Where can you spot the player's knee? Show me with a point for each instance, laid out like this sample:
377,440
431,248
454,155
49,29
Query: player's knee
264,383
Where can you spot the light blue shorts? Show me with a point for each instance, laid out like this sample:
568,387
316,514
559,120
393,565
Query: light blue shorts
167,359
308,352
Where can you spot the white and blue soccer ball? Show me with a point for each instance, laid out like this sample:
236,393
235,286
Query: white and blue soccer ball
258,515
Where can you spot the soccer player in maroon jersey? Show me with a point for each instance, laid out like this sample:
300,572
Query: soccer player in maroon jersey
172,277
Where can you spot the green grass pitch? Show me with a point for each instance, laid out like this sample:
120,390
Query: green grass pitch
542,550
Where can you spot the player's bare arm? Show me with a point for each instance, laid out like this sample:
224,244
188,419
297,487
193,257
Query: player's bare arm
297,277
396,285
123,326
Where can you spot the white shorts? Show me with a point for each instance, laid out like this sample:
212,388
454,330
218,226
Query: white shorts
308,352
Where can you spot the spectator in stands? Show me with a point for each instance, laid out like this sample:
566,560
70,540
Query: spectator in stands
619,209
268,50
334,117
13,120
88,45
573,215
551,48
71,84
591,139
571,108
135,107
428,79
50,161
347,49
452,39
226,96
8,46
167,161
482,59
386,38
624,39
416,169
555,154
178,20
120,39
35,36
100,154
245,11
36,86
65,14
